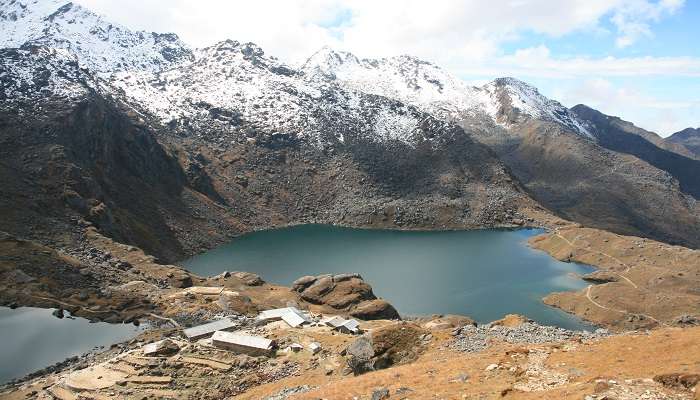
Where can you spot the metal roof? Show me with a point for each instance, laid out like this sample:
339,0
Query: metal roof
291,315
153,348
351,324
276,313
201,331
294,319
315,347
256,342
334,321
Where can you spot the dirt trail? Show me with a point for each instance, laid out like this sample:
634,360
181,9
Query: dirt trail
657,282
627,267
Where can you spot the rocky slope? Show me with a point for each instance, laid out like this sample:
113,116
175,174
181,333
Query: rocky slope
552,150
70,153
512,358
100,45
689,139
222,141
623,137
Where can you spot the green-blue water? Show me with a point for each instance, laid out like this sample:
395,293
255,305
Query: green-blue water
483,274
32,339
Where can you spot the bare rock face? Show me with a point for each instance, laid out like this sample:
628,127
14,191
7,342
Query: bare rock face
302,283
678,380
180,279
601,277
248,278
384,347
346,292
375,309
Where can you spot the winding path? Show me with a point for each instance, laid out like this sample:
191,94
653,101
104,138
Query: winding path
627,268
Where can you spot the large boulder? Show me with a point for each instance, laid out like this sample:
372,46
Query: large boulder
344,292
180,279
316,292
302,283
394,344
248,278
374,309
360,354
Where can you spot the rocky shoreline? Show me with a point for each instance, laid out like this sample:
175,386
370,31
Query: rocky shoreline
511,360
121,283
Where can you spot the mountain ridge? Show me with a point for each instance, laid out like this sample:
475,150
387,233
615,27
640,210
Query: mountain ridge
102,46
553,151
689,138
393,119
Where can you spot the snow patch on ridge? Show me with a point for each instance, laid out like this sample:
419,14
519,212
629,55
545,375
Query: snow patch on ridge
427,86
238,85
101,46
31,74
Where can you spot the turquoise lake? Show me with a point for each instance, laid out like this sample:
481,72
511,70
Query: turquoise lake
484,274
33,339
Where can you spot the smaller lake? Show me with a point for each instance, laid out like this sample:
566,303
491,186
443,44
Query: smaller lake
482,274
32,339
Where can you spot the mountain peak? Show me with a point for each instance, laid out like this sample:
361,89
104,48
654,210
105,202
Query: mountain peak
529,101
510,81
326,62
100,45
687,133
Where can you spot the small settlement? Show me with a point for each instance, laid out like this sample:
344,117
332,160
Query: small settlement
219,335
233,345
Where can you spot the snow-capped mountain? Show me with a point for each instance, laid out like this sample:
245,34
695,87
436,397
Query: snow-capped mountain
229,92
34,73
396,130
99,45
427,86
239,90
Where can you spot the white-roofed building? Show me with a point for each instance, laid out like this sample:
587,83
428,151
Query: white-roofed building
244,344
291,315
202,331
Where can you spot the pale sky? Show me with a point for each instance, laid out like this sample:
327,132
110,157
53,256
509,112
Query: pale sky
637,59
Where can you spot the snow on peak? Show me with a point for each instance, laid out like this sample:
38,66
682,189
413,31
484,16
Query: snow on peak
404,78
528,101
33,73
438,92
101,46
327,62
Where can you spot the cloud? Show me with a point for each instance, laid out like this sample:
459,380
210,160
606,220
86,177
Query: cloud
632,19
466,37
539,62
450,32
662,116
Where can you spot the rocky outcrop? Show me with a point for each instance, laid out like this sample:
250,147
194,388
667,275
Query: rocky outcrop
689,138
624,137
248,278
383,347
344,292
601,277
678,380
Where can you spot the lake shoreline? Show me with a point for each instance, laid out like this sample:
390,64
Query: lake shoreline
330,244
